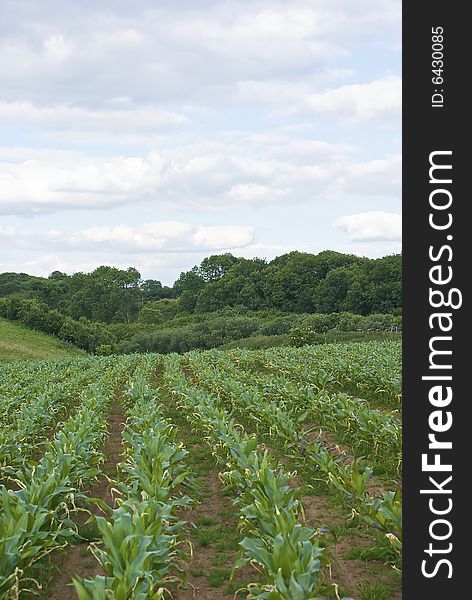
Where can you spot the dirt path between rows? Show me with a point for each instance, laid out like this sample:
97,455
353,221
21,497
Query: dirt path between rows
212,523
211,508
78,560
351,574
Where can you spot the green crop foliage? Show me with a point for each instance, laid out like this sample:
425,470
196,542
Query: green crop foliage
333,411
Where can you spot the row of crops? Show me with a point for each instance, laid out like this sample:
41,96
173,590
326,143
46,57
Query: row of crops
35,396
334,410
38,496
139,538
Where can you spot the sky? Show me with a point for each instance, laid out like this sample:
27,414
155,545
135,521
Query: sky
153,133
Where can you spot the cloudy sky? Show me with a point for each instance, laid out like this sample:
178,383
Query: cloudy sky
152,133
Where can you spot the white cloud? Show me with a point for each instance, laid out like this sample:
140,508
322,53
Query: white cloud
76,118
208,175
167,236
376,177
149,236
263,113
379,99
373,225
7,233
229,236
72,180
254,192
167,51
156,236
42,265
56,48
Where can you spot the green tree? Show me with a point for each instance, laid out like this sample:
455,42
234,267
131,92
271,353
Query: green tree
214,267
150,313
188,287
107,294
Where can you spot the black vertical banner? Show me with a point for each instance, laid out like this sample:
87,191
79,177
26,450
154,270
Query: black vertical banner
437,327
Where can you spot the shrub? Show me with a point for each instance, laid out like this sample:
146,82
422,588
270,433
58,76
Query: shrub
313,327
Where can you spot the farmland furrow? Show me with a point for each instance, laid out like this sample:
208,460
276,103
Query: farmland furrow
75,559
277,460
350,478
288,554
211,523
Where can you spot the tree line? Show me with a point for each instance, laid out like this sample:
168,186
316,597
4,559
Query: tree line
114,309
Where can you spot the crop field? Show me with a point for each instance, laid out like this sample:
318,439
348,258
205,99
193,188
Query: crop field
274,474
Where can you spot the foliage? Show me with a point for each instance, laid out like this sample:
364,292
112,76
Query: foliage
82,333
208,333
307,330
111,310
21,343
287,552
34,519
139,545
296,282
276,393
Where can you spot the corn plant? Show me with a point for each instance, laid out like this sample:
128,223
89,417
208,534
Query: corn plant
35,518
137,554
284,549
293,561
140,541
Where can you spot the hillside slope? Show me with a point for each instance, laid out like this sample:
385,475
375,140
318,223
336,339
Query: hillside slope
19,343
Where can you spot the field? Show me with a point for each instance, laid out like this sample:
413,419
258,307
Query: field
20,343
274,472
